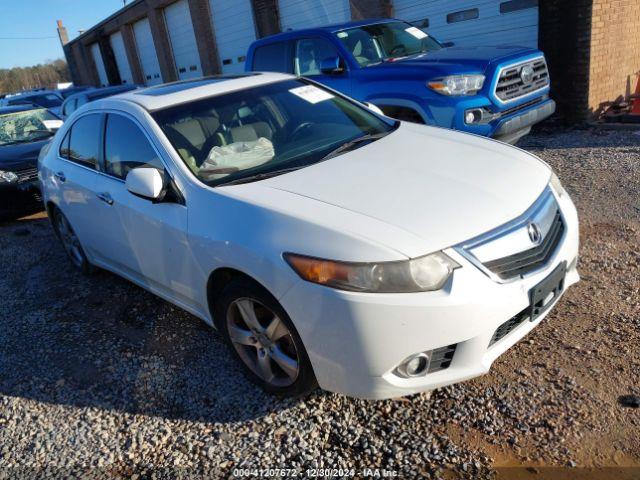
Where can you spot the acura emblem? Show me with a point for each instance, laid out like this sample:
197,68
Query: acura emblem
526,74
535,235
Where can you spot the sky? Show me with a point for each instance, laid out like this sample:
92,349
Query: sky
28,34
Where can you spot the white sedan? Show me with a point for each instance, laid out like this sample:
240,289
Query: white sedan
329,244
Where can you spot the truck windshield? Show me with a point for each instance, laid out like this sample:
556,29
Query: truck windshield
250,134
371,44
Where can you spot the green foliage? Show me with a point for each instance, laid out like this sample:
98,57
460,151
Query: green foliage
43,75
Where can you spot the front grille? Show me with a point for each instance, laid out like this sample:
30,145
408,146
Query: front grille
509,326
441,358
510,85
27,175
527,261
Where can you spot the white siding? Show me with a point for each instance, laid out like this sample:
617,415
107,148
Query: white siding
120,53
97,59
183,40
490,28
235,30
147,52
297,14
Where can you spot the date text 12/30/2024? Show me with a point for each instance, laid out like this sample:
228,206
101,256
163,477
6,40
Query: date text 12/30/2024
314,473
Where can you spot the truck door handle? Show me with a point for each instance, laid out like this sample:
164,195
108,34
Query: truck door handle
105,197
60,176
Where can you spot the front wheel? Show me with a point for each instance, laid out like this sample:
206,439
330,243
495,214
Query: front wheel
263,338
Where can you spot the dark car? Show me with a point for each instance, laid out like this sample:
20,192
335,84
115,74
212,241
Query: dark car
50,99
24,130
67,92
74,102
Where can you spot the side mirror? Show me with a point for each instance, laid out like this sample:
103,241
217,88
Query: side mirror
146,182
374,108
331,66
448,44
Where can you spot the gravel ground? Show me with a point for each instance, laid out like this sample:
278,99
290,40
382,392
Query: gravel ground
100,378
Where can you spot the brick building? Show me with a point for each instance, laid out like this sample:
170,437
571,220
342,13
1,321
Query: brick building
592,46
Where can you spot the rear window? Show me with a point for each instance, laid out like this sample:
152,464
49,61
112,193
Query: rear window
272,58
84,145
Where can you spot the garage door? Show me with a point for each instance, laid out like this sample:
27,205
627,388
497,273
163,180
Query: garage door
474,22
120,53
97,59
234,28
296,14
147,52
183,40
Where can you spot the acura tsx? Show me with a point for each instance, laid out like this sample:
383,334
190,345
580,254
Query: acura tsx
330,245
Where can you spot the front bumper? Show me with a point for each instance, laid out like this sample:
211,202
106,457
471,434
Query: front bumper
356,340
19,198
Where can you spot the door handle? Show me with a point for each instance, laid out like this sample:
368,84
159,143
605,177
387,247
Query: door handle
105,197
60,176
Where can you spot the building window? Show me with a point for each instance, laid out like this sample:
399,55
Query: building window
463,15
423,23
515,5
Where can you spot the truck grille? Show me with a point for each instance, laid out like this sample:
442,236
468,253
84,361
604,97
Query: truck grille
529,260
512,84
27,175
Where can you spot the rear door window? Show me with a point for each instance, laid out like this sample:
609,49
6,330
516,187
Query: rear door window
310,52
84,143
274,57
126,147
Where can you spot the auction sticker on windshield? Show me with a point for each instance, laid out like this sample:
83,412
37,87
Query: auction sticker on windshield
311,93
416,32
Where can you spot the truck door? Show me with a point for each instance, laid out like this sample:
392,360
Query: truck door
309,55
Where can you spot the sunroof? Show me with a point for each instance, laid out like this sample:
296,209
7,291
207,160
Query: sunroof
179,86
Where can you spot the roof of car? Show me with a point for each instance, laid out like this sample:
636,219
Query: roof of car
18,108
168,94
336,27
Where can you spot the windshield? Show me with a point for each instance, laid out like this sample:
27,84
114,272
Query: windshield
29,126
371,44
265,129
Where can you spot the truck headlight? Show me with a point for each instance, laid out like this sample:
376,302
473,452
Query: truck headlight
421,274
456,85
8,177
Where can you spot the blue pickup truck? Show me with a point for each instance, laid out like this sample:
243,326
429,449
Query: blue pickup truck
498,92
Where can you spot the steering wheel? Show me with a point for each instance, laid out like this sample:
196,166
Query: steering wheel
299,130
397,49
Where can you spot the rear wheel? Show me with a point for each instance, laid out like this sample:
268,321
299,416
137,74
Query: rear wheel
263,338
70,242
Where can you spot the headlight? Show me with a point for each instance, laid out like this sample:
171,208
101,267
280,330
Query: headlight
557,186
418,275
457,84
8,177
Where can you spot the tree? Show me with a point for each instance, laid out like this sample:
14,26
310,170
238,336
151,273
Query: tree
45,75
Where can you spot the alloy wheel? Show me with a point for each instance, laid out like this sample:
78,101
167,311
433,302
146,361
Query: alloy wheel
70,241
263,342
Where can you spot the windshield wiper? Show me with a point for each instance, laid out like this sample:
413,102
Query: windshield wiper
369,137
259,176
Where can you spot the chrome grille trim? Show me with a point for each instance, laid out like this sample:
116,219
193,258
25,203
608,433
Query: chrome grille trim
510,87
27,174
545,203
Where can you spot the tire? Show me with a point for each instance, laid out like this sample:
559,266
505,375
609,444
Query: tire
70,242
270,346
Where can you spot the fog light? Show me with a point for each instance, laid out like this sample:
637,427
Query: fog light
415,366
473,116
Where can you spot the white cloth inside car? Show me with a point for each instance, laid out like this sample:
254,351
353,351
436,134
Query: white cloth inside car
240,155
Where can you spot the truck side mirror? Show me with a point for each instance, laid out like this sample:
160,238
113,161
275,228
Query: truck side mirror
331,66
448,44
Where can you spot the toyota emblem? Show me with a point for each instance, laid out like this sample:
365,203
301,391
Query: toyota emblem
535,235
526,74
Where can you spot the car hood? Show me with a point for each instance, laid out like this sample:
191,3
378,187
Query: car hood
22,155
442,187
471,58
